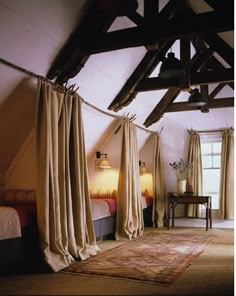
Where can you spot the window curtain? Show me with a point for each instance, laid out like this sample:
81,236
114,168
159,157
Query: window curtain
129,221
226,209
158,209
63,202
195,176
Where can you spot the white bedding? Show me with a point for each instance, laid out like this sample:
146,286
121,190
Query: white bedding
100,209
9,223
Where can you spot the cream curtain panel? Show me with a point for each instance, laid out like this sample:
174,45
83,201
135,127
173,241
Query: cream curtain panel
226,209
63,202
158,210
129,221
195,177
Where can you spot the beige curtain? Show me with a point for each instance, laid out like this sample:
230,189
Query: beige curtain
226,209
129,222
158,210
63,204
195,176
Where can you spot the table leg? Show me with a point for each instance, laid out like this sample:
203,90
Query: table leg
210,215
173,215
207,215
168,216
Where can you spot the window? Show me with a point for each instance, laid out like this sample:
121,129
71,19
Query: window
211,165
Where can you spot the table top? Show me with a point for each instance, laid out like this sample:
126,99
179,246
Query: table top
188,198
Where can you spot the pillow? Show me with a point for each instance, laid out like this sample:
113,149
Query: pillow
18,196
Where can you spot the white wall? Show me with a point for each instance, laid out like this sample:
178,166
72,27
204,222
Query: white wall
21,174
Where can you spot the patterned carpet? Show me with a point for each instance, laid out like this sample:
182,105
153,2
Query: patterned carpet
155,257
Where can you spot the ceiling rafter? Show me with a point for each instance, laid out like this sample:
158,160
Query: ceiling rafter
215,104
215,91
144,68
68,61
157,113
199,24
212,63
173,92
204,90
171,11
180,22
220,5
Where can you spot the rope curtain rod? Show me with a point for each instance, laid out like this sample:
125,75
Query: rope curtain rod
16,67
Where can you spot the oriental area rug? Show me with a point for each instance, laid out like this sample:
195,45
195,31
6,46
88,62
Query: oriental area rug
155,257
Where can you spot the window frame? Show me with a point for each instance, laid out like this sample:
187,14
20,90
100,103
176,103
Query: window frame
211,139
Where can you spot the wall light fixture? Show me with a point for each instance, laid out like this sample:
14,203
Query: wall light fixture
104,163
142,167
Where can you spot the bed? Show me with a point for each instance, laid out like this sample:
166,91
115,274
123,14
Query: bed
103,205
19,240
19,245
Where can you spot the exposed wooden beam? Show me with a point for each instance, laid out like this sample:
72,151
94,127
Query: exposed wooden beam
166,100
204,92
200,24
144,68
220,5
221,47
212,63
200,59
68,61
215,91
116,7
152,58
160,108
216,103
151,8
172,11
185,57
136,18
197,78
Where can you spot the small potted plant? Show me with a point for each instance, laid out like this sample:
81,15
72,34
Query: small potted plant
181,170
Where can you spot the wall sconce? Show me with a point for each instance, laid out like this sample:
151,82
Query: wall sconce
104,162
142,168
171,67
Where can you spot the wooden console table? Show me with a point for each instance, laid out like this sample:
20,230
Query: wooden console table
174,200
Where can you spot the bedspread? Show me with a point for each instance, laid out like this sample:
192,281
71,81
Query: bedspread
100,209
9,223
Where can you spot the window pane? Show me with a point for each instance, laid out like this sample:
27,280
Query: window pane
206,148
206,161
211,180
216,161
216,147
214,200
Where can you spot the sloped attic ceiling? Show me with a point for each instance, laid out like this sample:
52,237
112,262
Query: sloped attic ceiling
116,71
200,31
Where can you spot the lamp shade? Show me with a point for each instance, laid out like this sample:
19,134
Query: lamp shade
105,164
196,99
171,67
143,170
